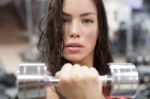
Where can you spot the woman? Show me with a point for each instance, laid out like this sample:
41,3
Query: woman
76,48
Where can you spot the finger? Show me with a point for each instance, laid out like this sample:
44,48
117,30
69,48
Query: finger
66,66
65,71
85,70
76,69
93,71
95,74
64,75
57,74
75,72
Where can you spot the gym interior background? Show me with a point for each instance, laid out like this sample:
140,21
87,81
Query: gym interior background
129,33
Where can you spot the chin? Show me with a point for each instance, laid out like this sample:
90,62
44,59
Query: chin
74,59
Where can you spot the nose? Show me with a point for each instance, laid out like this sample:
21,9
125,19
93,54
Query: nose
75,30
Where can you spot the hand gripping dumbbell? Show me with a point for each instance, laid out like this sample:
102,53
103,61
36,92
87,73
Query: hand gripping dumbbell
34,77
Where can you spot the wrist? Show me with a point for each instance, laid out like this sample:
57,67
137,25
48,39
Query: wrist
76,97
103,97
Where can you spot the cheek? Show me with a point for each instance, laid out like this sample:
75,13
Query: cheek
89,34
65,32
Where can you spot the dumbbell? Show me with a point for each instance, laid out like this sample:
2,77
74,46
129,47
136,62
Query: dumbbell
32,79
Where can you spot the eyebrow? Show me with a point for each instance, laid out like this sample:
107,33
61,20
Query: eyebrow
83,14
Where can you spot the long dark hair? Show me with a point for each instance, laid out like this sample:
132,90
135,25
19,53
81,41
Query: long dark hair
51,40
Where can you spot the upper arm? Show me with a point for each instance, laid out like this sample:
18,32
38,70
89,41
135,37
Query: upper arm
51,94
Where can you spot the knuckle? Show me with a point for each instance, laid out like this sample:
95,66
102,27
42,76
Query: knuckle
76,66
67,66
94,71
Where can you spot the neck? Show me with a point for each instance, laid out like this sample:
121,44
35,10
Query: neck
86,62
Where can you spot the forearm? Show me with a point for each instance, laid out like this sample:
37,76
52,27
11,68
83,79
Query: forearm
79,97
102,97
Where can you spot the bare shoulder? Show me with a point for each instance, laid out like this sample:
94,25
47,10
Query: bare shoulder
51,94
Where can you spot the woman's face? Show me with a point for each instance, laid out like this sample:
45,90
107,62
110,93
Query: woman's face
81,30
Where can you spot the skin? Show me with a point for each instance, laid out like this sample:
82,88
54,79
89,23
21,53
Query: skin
80,25
79,81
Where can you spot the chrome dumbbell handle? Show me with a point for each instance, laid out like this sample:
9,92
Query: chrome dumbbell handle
53,81
103,79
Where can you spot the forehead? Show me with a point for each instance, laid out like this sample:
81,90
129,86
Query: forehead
79,6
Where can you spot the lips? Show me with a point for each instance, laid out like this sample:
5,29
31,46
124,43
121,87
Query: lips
73,47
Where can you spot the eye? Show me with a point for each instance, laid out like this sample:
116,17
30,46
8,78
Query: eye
86,21
65,20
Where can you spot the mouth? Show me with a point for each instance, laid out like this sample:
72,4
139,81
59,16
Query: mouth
73,47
